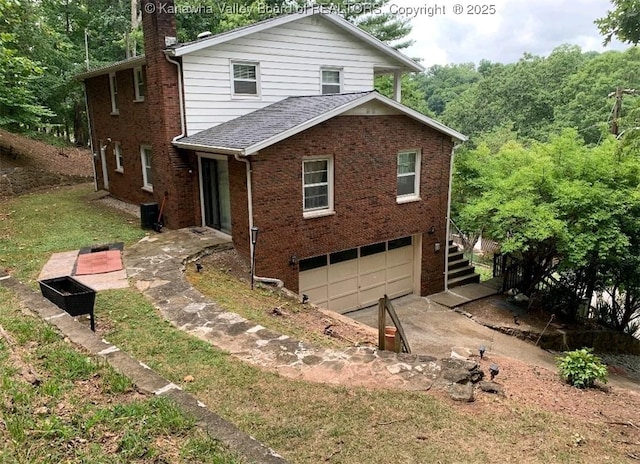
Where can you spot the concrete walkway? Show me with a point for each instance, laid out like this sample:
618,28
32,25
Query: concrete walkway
467,293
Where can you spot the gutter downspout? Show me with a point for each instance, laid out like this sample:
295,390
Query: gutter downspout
183,123
93,155
267,280
446,254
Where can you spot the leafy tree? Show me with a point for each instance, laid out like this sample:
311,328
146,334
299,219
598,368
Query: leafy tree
623,22
19,105
561,206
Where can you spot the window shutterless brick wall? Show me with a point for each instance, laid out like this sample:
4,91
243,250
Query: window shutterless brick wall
364,149
155,122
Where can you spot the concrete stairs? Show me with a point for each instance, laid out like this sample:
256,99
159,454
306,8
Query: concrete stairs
460,270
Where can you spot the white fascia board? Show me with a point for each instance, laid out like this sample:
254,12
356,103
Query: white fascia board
374,42
426,120
335,19
235,34
209,149
344,108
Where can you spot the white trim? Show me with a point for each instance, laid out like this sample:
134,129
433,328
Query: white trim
353,104
146,185
113,93
329,209
415,195
322,83
427,121
138,80
240,96
337,20
117,153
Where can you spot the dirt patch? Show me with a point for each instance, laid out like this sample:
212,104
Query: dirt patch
32,153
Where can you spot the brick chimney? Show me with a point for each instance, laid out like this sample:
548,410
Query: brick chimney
171,173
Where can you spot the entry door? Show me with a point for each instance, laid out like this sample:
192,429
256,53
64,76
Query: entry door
215,190
105,173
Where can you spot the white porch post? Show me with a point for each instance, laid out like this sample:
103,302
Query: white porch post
397,86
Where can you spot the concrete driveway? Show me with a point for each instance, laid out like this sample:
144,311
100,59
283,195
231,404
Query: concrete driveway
433,330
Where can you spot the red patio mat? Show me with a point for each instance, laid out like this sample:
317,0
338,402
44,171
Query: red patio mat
99,262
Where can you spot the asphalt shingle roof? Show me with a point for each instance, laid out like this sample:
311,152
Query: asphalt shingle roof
267,122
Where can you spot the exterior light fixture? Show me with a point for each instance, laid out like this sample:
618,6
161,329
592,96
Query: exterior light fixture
482,349
293,261
494,370
254,239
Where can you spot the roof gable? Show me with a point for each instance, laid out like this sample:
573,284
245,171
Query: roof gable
211,41
260,129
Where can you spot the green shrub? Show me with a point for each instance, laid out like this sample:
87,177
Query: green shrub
581,368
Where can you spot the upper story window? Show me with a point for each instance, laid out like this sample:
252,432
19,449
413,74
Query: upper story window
117,152
146,157
139,86
317,186
113,88
408,175
245,79
331,80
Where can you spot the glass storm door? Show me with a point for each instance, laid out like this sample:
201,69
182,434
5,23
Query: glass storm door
215,189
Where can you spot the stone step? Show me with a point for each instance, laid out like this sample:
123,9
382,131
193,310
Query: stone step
461,271
464,280
458,264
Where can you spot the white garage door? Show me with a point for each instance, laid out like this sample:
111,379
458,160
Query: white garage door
358,277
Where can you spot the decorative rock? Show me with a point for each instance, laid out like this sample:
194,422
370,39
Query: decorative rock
457,376
491,387
463,393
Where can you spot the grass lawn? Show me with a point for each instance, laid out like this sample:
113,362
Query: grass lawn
58,405
305,422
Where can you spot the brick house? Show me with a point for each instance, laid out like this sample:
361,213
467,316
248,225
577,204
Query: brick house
277,126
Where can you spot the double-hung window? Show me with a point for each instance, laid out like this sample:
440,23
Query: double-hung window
408,175
331,80
245,79
317,186
139,86
146,158
113,89
117,151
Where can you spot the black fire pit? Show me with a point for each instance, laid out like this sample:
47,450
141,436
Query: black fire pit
70,295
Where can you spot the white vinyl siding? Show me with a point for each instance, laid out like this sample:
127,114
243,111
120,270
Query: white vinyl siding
317,186
117,151
290,58
146,157
113,90
139,86
408,175
331,81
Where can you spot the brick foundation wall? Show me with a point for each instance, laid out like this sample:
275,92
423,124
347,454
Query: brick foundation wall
364,149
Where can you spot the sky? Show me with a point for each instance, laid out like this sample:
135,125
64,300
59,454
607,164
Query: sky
504,33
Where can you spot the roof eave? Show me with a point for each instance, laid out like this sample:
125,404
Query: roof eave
409,64
209,149
127,64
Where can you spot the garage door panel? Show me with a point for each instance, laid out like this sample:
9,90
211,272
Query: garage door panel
372,279
355,283
372,263
345,287
400,256
371,295
344,303
344,270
